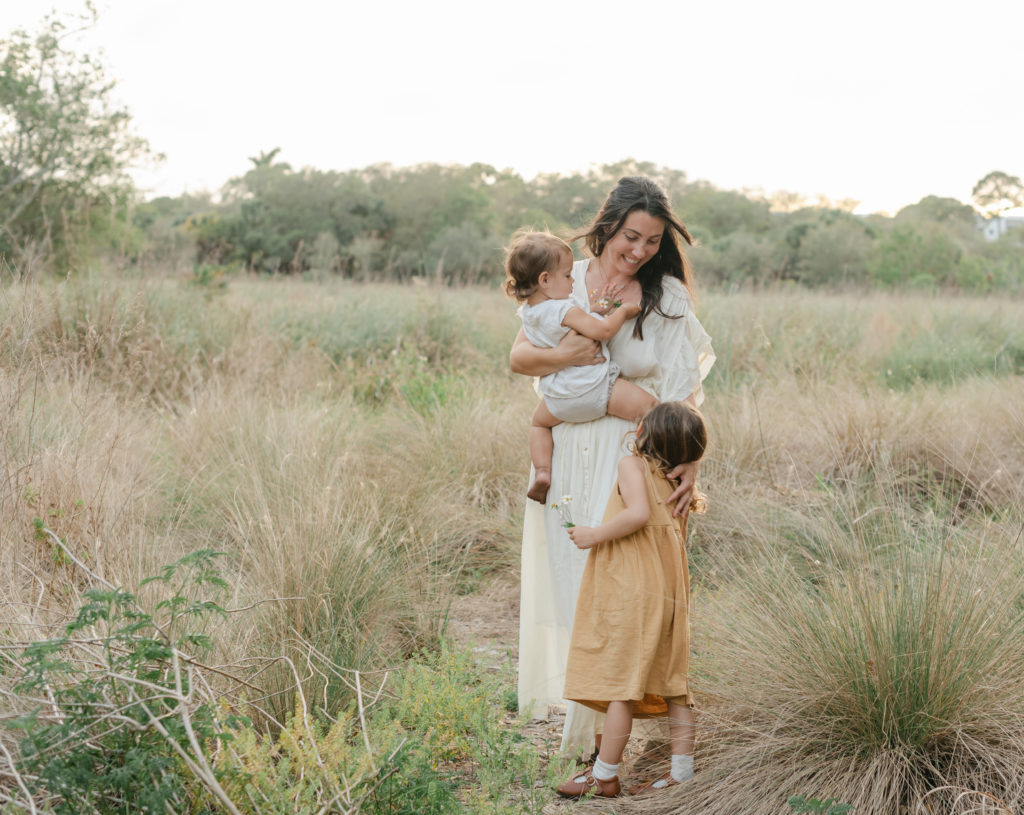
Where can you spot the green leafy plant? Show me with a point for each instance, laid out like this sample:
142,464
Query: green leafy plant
209,278
830,806
453,714
429,739
122,718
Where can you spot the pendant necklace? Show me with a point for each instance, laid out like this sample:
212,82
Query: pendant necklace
606,301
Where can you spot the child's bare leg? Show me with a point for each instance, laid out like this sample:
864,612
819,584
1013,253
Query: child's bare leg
682,728
618,723
542,448
602,779
629,401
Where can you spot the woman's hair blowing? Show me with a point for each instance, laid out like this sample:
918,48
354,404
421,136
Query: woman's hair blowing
630,194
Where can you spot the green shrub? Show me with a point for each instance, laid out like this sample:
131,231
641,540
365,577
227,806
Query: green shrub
120,722
433,743
831,806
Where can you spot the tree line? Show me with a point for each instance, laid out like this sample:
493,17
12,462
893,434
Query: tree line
66,196
450,223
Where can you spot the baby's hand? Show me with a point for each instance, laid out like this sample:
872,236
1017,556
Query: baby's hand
604,299
585,537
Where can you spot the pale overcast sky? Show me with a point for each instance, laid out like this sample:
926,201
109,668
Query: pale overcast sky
880,101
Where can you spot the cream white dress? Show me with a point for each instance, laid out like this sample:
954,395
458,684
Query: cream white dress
670,362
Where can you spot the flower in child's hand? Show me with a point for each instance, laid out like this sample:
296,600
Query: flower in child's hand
561,506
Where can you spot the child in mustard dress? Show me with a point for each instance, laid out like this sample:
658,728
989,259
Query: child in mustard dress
630,642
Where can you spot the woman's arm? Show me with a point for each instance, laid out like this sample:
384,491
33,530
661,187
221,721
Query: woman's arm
633,489
574,349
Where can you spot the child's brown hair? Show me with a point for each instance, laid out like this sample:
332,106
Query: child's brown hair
529,254
673,433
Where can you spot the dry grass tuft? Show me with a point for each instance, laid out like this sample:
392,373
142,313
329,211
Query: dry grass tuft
875,659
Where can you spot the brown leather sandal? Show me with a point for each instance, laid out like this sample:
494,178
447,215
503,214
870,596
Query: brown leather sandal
654,785
589,785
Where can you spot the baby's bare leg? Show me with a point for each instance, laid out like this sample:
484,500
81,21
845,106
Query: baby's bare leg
629,401
542,448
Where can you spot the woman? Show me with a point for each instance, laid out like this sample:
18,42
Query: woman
636,257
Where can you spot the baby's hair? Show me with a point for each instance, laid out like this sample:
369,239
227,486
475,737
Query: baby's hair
673,433
529,254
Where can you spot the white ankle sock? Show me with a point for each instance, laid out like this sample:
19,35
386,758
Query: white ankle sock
604,771
682,768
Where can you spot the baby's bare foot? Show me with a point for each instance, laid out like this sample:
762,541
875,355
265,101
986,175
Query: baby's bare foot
539,488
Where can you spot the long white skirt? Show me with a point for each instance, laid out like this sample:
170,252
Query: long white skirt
584,467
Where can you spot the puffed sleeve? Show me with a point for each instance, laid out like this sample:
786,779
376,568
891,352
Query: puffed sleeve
684,349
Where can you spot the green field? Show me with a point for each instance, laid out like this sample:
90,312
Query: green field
357,454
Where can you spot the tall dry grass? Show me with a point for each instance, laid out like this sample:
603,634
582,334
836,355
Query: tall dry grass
858,624
874,657
358,451
341,444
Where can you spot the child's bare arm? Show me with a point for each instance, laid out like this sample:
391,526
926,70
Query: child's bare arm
633,488
600,330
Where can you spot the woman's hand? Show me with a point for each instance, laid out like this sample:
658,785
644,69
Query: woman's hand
687,475
580,350
585,537
574,349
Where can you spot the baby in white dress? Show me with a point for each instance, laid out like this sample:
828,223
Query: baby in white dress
538,268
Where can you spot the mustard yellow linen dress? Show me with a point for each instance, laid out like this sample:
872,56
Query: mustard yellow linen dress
631,631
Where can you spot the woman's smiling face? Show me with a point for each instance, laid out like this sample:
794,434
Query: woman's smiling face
636,242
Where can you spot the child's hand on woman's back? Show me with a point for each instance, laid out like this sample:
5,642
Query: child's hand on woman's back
585,537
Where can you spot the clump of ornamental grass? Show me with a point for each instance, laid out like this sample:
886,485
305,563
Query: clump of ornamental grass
283,488
883,671
350,526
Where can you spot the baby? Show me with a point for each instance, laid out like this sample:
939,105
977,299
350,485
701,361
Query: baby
538,268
